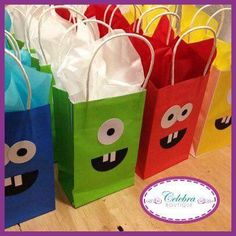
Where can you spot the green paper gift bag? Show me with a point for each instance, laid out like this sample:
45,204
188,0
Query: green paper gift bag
97,141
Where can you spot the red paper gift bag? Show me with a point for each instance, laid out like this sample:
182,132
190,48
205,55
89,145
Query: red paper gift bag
174,98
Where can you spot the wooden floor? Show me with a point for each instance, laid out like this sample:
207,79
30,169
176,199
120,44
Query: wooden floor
123,208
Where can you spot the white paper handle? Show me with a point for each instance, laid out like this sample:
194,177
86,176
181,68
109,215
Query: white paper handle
26,78
40,24
136,7
27,27
179,41
146,12
157,17
75,25
13,44
200,10
222,10
19,11
118,36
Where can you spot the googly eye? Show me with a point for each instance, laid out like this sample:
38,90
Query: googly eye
110,131
6,154
229,97
22,152
170,116
185,111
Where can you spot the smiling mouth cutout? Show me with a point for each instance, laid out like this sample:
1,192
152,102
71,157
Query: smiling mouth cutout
172,139
19,183
109,161
223,123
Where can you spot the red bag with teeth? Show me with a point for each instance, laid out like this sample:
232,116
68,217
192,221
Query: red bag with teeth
174,97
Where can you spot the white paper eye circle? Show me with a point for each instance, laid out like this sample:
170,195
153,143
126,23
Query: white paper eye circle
22,152
185,111
6,154
229,97
170,116
110,131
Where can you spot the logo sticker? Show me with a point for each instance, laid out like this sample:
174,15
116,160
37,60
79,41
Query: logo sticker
180,199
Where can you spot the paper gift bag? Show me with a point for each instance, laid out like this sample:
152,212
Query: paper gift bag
29,178
213,129
171,111
98,140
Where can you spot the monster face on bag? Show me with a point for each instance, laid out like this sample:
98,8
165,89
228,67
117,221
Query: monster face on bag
29,180
18,154
170,119
108,133
175,120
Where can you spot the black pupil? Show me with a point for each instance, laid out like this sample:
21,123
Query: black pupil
184,112
21,152
170,117
110,132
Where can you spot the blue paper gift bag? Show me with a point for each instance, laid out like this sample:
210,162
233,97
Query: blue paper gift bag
29,174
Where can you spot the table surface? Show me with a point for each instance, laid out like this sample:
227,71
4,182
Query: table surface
108,214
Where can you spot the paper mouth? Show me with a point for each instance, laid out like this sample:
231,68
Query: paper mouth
109,161
223,123
19,183
172,139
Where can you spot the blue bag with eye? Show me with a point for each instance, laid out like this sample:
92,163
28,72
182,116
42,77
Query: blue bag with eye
29,173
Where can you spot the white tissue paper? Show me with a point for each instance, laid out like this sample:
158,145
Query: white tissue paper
117,69
53,28
19,14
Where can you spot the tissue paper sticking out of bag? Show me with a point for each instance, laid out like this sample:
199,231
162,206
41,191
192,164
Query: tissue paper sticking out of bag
117,69
53,28
15,87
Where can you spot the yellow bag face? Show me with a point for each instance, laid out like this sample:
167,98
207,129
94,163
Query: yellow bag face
217,129
188,11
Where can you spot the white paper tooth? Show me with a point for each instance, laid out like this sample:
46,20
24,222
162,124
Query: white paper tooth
105,158
175,135
8,181
113,156
223,119
169,138
228,120
18,180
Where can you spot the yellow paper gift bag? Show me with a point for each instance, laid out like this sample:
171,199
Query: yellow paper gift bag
213,129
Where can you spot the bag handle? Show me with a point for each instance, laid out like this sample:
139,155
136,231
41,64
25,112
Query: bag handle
146,12
28,23
118,36
223,10
169,31
136,7
13,44
19,11
26,78
75,25
179,41
40,24
199,11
